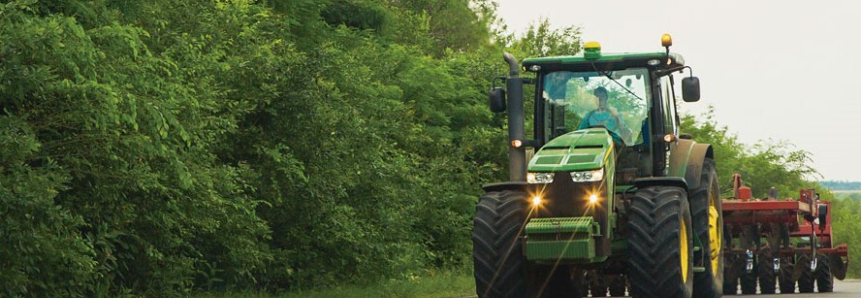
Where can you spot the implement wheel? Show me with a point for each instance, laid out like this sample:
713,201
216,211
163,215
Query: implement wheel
805,282
708,224
660,243
787,285
500,270
765,270
824,278
748,283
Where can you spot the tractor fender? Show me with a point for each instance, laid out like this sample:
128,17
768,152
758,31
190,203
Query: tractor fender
661,181
686,161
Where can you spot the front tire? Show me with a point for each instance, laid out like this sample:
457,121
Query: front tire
500,268
661,243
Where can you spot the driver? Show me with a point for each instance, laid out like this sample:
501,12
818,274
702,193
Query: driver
604,115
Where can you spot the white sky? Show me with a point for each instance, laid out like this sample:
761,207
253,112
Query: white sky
782,70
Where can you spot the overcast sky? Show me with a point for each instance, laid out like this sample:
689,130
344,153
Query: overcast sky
781,70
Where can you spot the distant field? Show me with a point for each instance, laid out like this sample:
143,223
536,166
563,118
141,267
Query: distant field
841,194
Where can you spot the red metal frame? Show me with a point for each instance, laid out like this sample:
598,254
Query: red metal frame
797,215
738,213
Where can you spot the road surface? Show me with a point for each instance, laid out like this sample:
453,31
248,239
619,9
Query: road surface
850,288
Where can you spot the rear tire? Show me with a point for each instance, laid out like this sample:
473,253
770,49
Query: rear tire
706,211
660,243
824,278
500,268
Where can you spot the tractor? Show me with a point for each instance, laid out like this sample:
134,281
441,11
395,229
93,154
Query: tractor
606,194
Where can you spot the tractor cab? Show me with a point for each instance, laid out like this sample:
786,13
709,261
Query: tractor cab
627,96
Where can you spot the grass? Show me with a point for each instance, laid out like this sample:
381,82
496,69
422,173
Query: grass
439,285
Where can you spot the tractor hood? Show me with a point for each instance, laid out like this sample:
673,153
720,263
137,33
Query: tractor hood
586,149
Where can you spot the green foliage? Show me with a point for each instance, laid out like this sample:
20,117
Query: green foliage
161,147
540,40
847,228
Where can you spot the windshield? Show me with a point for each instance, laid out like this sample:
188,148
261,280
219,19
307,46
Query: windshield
591,99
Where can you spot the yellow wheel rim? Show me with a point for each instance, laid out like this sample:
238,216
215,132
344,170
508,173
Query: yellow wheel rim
715,239
683,250
715,234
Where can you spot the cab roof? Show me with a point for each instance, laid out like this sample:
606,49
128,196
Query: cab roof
607,61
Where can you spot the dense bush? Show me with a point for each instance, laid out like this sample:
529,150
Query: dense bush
165,146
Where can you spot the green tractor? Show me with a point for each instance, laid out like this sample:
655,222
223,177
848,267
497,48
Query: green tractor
614,191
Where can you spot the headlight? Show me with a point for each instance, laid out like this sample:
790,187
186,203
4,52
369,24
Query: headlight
588,176
543,178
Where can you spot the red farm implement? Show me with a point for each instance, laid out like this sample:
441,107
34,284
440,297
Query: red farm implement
778,244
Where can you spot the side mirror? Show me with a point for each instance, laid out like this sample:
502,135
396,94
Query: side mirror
691,89
496,97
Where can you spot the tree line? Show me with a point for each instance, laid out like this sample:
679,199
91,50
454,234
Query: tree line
841,185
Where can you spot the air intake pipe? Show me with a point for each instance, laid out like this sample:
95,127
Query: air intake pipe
516,118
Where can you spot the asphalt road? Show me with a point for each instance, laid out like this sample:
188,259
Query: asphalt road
842,289
850,288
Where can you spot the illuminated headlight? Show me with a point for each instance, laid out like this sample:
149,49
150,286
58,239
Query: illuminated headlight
588,176
542,178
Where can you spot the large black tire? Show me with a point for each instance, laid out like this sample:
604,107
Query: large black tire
765,272
750,239
500,268
706,211
787,285
824,278
660,243
805,282
748,283
618,285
